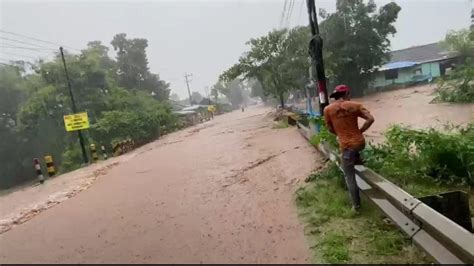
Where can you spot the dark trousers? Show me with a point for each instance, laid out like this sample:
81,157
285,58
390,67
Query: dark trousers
349,159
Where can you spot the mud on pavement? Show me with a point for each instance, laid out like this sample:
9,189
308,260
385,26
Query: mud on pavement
20,206
219,192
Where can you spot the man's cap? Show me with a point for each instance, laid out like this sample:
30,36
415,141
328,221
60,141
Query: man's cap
339,89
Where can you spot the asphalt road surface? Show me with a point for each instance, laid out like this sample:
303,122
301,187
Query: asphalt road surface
219,192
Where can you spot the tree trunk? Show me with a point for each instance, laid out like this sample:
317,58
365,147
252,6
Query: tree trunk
282,100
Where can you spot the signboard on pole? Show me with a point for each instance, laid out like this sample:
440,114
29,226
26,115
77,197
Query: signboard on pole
76,121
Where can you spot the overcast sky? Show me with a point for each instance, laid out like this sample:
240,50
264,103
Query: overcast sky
199,37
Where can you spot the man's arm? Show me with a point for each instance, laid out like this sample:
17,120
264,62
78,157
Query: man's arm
329,125
369,119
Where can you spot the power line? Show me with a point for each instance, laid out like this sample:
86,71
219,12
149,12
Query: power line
290,12
27,43
27,48
26,56
282,18
286,24
36,39
301,9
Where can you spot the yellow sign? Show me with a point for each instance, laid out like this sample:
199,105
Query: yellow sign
76,121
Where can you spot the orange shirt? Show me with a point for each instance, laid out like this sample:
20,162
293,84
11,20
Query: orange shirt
342,116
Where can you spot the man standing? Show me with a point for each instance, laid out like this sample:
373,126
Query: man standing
211,109
341,119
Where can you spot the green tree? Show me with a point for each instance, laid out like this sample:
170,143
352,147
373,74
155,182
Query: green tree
12,95
131,61
33,103
356,41
196,97
460,43
233,91
215,92
132,66
133,115
174,97
278,61
458,86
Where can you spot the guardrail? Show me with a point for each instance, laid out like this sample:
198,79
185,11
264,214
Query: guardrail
441,238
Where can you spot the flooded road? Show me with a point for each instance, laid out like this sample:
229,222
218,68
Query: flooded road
219,192
412,107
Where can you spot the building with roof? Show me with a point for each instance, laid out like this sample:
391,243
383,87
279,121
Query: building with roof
414,65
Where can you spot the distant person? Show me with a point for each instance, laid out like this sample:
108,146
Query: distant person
341,120
211,109
242,107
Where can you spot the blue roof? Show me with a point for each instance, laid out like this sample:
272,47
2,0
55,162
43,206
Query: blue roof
396,65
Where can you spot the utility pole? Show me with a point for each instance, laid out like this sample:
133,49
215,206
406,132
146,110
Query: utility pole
316,53
186,76
206,89
74,109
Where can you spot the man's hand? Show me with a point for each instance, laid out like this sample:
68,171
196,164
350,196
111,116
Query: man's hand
367,124
369,119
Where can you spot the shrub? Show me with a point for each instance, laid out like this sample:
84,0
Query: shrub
71,159
458,86
140,118
407,153
324,134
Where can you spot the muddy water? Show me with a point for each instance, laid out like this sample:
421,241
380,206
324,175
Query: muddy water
412,107
220,192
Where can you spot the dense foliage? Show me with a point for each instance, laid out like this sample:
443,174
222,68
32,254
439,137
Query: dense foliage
278,61
408,154
233,90
458,86
324,134
122,97
356,41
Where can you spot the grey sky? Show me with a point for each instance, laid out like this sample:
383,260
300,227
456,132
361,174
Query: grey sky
199,37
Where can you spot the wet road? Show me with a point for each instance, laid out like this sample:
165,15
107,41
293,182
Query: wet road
221,191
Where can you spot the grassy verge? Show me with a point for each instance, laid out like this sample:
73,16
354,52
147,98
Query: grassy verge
339,236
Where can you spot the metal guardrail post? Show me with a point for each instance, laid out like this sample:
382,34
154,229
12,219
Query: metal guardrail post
442,238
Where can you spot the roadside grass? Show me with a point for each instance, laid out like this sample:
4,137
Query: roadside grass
280,124
339,236
334,249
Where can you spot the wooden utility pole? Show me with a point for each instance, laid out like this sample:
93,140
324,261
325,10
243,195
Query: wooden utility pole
74,109
186,76
316,53
206,89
